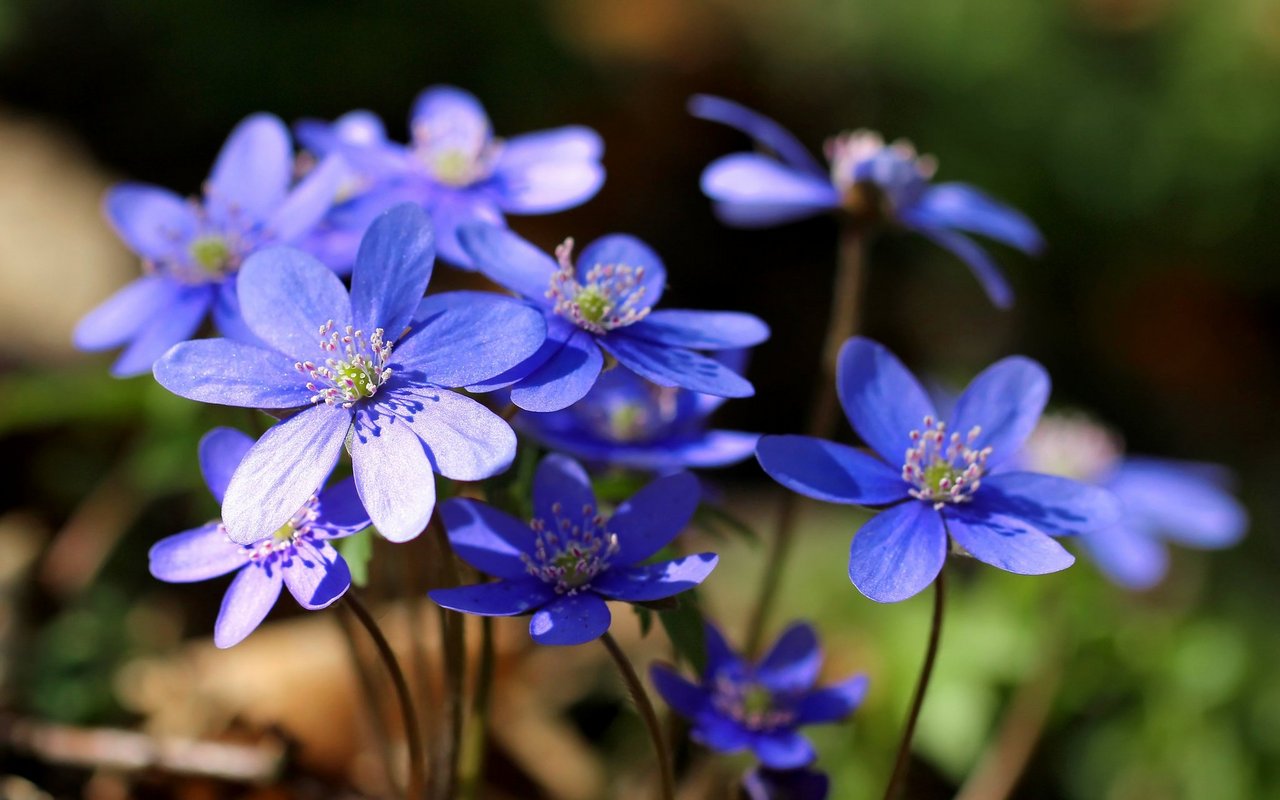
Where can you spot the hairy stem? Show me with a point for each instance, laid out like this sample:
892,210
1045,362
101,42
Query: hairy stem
474,745
641,698
903,759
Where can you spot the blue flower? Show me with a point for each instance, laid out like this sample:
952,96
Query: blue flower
606,301
454,167
792,784
564,564
950,476
372,371
1183,502
626,421
297,555
740,705
866,178
192,250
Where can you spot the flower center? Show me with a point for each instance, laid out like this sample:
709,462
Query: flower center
1074,446
284,538
609,296
570,551
750,704
875,178
212,256
944,469
456,157
357,369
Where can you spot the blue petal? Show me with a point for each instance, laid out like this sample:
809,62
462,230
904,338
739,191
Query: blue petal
675,366
508,260
752,190
122,315
655,581
979,262
832,703
308,202
507,598
465,441
286,295
315,574
653,516
960,206
829,471
561,482
793,784
393,474
1005,400
898,552
392,270
1054,505
449,112
281,472
154,222
701,330
177,323
720,733
882,400
758,127
232,374
221,451
1176,500
227,317
463,338
1006,541
623,249
716,448
1127,555
486,538
783,749
196,555
685,698
451,211
570,619
341,513
564,378
721,658
246,603
794,661
549,171
352,128
252,172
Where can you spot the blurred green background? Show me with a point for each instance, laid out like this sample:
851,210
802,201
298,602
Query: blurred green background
1143,136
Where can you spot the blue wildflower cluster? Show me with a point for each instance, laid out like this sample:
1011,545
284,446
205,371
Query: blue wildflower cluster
311,272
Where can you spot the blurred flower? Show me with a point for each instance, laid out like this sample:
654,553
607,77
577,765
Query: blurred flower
790,784
297,555
867,178
192,250
454,167
953,482
606,301
569,559
384,395
739,705
1183,502
627,421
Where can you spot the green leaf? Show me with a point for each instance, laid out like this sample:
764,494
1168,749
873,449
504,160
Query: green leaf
357,550
646,619
684,628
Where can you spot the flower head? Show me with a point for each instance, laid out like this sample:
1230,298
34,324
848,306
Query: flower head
297,555
942,479
762,783
1182,502
739,705
867,178
192,251
371,370
454,167
605,300
570,558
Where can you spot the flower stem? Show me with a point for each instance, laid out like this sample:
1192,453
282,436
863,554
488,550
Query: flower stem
922,685
842,322
471,769
369,694
417,772
641,698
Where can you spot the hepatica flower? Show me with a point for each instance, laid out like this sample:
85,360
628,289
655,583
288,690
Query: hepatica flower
456,168
867,178
570,559
606,300
741,705
192,250
1182,502
297,555
791,784
627,421
372,369
939,479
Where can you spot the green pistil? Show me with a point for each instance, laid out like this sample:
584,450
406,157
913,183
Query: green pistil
592,304
358,376
569,563
757,701
452,167
627,422
211,253
285,533
937,473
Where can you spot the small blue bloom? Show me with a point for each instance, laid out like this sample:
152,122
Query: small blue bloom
192,250
606,301
1182,502
454,167
953,477
626,421
297,555
762,783
867,178
564,564
372,370
740,705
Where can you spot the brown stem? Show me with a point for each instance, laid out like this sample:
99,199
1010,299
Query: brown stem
641,698
471,769
369,694
903,759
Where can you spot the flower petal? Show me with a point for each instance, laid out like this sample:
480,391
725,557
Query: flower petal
752,190
653,516
308,202
719,733
721,658
1007,542
451,211
506,598
783,749
286,295
567,144
549,171
624,249
486,538
154,222
196,555
463,338
832,703
685,698
794,661
898,552
655,581
561,483
340,511
979,262
675,366
759,127
701,330
571,619
465,441
1128,555
227,317
1175,499
829,471
393,474
122,315
176,323
393,267
447,112
281,472
221,451
246,603
232,373
1054,505
882,399
961,206
252,172
762,783
315,574
1005,400
508,260
564,378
